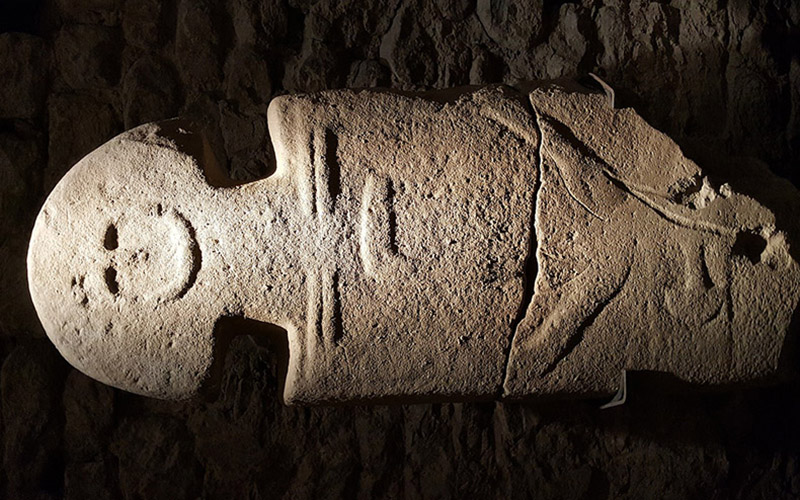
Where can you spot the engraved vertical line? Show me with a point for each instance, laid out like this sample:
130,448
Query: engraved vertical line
338,328
319,313
392,216
364,235
313,319
708,281
334,169
313,177
321,198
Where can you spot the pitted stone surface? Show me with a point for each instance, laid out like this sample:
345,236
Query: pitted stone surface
466,244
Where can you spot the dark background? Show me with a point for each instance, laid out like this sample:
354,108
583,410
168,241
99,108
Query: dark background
720,75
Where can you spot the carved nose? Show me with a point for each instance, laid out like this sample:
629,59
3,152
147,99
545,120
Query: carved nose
111,239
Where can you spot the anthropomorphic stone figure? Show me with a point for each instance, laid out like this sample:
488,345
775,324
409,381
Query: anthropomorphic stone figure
482,243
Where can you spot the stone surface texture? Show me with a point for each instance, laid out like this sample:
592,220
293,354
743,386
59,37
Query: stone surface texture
458,244
720,78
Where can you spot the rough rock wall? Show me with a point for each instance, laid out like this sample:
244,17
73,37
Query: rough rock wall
716,75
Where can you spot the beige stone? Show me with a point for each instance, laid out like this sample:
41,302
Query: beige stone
471,244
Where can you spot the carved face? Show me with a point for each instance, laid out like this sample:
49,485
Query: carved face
113,266
151,254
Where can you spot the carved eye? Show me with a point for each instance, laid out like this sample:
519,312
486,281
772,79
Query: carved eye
110,240
111,280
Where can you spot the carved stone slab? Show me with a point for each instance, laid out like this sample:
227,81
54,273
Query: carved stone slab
475,244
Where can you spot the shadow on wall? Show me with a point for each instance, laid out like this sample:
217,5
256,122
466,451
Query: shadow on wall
19,15
717,76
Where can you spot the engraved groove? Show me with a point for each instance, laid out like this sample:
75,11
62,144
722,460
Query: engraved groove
677,219
313,177
195,255
390,196
336,319
576,338
364,234
332,162
638,192
314,311
708,282
572,195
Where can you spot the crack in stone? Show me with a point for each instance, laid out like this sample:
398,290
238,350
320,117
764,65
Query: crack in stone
531,265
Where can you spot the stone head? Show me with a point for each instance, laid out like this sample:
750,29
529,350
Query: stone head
113,257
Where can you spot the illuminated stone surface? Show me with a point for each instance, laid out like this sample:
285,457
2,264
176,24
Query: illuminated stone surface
491,243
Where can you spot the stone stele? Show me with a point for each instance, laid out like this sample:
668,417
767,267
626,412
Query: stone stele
480,243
